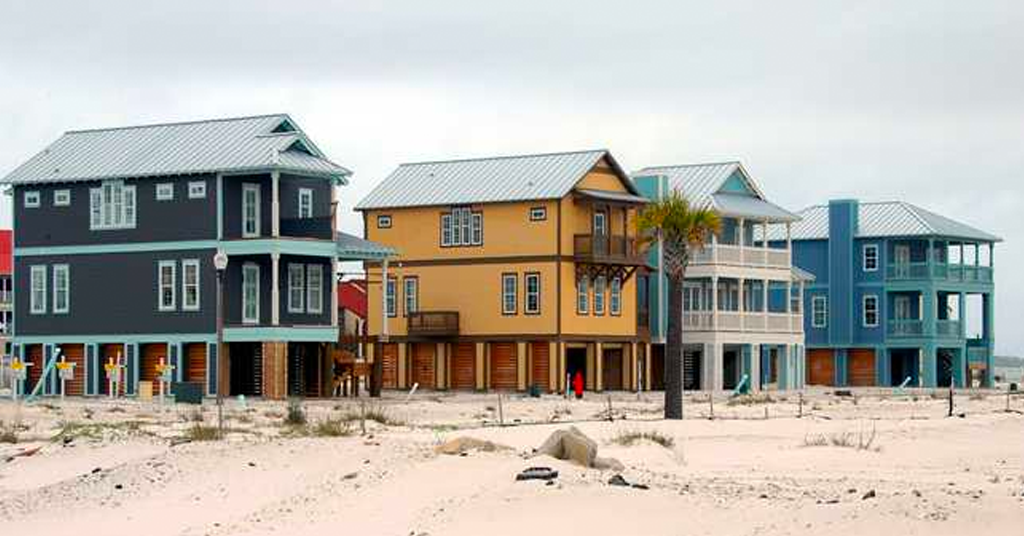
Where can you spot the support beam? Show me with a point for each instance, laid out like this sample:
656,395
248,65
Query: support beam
275,290
275,203
334,293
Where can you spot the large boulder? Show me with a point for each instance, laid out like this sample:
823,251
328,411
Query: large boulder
570,444
462,445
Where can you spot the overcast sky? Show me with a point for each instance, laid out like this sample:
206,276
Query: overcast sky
915,100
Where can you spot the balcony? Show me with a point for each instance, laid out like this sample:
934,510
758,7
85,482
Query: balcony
6,300
754,256
906,328
433,323
947,328
320,228
607,249
747,322
966,273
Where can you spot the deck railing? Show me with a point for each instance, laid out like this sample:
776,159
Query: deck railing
752,322
606,248
967,273
746,256
433,323
906,328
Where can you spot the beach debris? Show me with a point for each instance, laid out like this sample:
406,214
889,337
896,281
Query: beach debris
462,445
537,473
618,480
573,445
869,495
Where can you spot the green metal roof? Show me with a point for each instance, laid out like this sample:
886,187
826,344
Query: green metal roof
353,248
889,218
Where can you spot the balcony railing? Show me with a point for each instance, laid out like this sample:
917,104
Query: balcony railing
607,249
752,322
967,273
319,227
746,256
906,328
947,328
433,323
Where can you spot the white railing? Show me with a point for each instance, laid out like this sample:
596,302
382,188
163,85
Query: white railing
778,258
697,321
745,256
752,322
730,321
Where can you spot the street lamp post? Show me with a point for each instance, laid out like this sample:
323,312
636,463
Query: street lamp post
220,262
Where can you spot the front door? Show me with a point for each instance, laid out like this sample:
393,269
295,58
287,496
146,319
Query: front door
250,210
250,293
901,304
901,259
600,223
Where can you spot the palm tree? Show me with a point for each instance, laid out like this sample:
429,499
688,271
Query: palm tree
681,228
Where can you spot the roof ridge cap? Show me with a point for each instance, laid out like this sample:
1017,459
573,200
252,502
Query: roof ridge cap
501,157
177,123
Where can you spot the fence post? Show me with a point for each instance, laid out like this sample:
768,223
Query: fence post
711,403
501,412
800,412
611,417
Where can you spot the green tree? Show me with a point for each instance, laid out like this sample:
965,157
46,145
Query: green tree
681,228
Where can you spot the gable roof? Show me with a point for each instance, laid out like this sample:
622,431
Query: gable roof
724,186
233,145
488,180
888,218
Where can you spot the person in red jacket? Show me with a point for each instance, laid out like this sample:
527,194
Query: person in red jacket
577,384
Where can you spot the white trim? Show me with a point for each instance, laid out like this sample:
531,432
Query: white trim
314,306
31,199
815,300
600,286
255,188
161,286
67,288
165,191
414,295
538,213
113,205
296,287
864,311
391,296
384,221
615,297
37,307
864,257
253,268
583,295
185,265
526,294
505,279
446,229
305,192
197,190
62,198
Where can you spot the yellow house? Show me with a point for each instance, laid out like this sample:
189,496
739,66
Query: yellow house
511,272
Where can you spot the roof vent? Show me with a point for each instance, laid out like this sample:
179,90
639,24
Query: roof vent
284,126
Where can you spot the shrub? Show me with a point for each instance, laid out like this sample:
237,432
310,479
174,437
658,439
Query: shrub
296,415
332,427
859,441
628,438
202,432
8,432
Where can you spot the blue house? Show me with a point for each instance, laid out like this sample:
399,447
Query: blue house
896,289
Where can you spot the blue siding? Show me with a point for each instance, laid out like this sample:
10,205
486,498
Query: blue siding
812,256
842,219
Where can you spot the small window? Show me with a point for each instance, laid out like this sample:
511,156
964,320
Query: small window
384,221
314,289
166,284
197,190
532,304
599,285
390,299
819,311
190,285
615,300
305,203
32,199
446,230
61,198
462,227
538,214
600,223
509,294
250,293
870,257
412,294
61,289
871,311
165,191
478,229
582,295
37,298
296,288
112,206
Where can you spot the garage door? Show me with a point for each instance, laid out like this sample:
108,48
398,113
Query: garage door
75,353
503,365
541,367
390,366
423,364
860,367
34,355
151,355
464,366
195,362
611,369
820,367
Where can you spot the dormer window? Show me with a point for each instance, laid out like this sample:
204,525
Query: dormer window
112,206
462,227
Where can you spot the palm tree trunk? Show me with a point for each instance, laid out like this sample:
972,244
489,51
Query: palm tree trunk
674,350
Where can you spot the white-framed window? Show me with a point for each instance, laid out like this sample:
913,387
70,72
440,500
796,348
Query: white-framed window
819,311
296,287
250,210
509,293
61,288
871,257
305,202
411,292
37,299
538,213
462,227
32,199
600,223
165,191
250,293
166,292
61,198
384,221
870,312
615,298
531,304
390,300
314,289
197,189
599,285
112,206
190,285
582,295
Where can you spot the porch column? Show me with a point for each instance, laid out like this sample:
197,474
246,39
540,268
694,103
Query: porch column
275,203
789,242
714,248
598,366
717,374
931,257
962,311
554,355
334,296
764,303
714,302
755,367
789,296
741,235
275,289
481,360
383,301
742,298
764,240
521,362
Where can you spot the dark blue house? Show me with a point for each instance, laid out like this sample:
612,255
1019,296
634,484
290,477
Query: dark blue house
901,296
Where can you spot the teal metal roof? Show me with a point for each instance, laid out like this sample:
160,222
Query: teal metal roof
889,218
353,248
234,145
487,180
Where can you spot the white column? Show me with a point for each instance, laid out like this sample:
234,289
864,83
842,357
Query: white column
742,234
803,309
384,301
334,291
714,248
764,303
275,289
714,302
717,373
764,240
789,243
275,203
755,366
